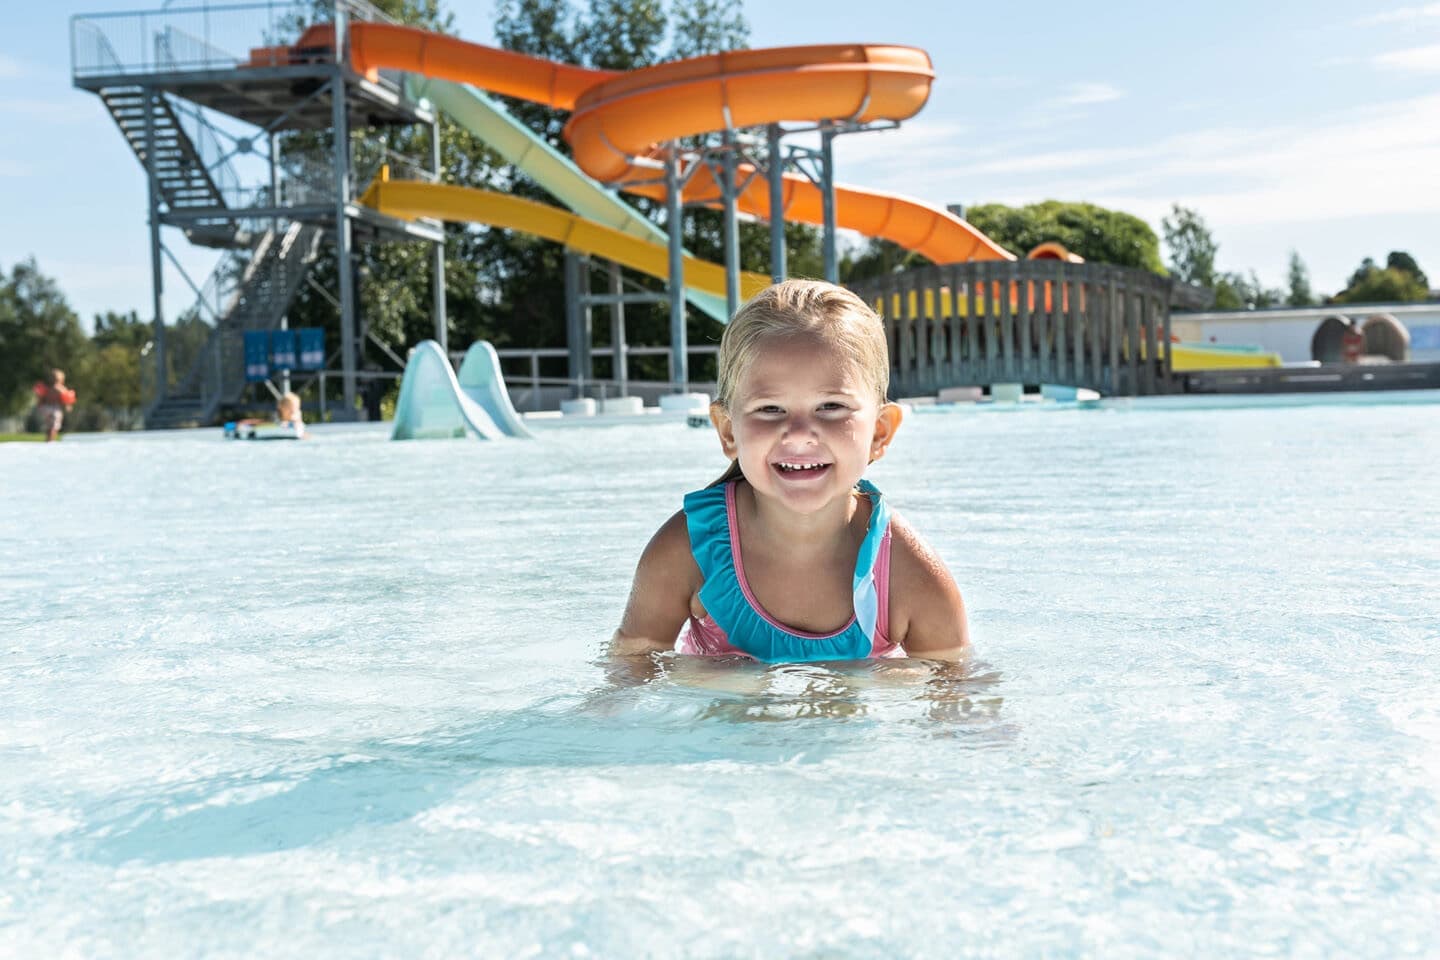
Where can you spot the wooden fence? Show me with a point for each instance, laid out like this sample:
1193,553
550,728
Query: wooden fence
1030,321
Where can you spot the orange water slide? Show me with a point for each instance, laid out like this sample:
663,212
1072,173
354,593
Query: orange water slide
619,118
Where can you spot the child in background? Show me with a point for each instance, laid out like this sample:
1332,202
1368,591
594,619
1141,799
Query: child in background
287,418
53,398
287,412
790,555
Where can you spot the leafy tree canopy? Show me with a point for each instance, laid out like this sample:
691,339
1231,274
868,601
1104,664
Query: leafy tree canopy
1299,294
1192,247
1400,281
38,331
1244,291
1095,233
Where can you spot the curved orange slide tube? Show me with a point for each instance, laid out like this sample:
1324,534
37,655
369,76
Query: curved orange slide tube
619,117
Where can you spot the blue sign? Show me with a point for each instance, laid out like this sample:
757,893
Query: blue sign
312,348
257,355
282,349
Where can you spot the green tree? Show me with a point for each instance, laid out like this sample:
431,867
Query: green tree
1402,261
38,331
1239,291
123,329
1300,294
1400,281
1095,233
1192,248
699,27
111,370
878,258
622,34
1383,286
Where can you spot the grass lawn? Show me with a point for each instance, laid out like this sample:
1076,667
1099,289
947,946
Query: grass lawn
12,437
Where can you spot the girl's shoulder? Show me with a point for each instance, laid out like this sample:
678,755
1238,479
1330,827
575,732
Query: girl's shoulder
927,613
911,556
668,555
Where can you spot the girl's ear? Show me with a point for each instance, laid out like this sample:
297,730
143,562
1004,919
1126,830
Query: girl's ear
887,422
720,417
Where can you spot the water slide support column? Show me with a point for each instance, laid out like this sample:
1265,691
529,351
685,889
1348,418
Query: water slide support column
572,318
578,320
157,279
343,263
827,193
275,228
437,271
776,172
679,348
619,361
731,225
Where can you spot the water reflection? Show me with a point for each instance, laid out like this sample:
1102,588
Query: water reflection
753,692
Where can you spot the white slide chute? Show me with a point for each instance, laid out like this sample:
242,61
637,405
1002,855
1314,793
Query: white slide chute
435,404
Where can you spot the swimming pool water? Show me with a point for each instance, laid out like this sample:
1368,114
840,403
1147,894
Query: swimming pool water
341,697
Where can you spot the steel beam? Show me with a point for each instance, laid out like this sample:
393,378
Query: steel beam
437,272
344,269
618,360
157,279
730,229
776,173
679,362
827,194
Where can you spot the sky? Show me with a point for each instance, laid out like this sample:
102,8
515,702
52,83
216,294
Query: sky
1312,127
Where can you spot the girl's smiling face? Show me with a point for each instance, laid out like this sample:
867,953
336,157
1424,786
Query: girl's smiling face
804,423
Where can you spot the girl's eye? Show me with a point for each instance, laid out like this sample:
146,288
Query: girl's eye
768,408
833,406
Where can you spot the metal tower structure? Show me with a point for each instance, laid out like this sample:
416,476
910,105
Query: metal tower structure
179,83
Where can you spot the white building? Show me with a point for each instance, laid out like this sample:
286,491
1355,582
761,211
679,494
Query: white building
1287,330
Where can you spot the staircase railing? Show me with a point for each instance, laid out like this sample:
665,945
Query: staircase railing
261,297
249,289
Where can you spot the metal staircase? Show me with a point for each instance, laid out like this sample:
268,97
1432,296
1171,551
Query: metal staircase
184,179
255,286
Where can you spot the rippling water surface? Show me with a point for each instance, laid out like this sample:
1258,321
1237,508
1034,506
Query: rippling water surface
342,697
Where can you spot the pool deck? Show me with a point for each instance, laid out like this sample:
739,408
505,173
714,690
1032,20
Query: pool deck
1332,377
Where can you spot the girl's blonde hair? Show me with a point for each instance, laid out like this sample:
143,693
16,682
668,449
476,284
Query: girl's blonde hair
805,308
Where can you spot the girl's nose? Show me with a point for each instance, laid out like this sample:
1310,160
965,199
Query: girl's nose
799,426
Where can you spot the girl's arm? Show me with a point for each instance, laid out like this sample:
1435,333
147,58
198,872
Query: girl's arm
665,580
927,614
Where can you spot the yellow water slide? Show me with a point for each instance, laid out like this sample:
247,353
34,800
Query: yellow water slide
409,199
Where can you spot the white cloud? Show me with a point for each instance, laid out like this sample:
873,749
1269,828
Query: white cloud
1382,159
1079,94
10,67
1401,15
9,168
1411,59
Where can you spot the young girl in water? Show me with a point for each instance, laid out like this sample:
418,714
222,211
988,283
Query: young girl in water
791,556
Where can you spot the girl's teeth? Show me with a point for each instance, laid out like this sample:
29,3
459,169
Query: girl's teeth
797,466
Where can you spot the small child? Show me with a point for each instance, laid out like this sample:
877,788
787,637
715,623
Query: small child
287,412
287,419
790,555
53,398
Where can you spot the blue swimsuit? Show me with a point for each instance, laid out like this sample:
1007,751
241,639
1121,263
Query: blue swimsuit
736,624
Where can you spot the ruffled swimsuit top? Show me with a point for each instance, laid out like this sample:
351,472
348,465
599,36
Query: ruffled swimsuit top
736,624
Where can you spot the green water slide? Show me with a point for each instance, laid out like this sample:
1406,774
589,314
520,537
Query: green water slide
491,123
